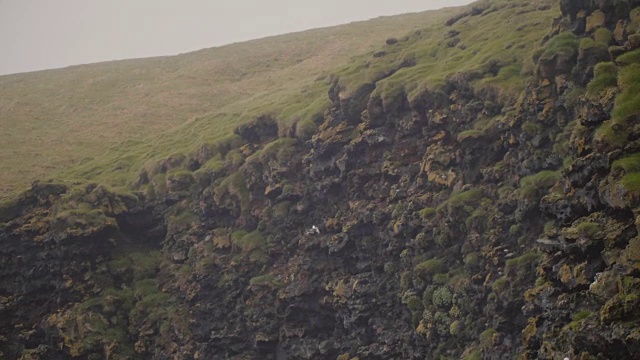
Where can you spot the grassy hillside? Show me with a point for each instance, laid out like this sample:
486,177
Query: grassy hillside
104,122
52,120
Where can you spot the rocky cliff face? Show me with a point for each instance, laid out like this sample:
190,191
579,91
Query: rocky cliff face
455,224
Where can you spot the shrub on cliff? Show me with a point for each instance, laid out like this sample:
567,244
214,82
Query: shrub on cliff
532,185
462,200
429,268
629,58
564,44
628,102
305,129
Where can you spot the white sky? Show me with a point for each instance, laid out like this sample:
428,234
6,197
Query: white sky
44,34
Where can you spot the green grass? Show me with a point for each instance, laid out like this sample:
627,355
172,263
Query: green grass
628,164
423,61
627,105
474,355
565,44
105,122
464,198
588,44
631,182
533,184
427,212
581,315
589,229
429,268
249,242
280,149
632,57
628,102
265,280
606,133
603,35
486,337
605,76
522,261
470,134
110,118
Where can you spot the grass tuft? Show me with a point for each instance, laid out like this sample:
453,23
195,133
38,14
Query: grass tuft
605,76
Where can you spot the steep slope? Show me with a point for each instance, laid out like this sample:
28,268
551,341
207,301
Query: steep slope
469,211
52,120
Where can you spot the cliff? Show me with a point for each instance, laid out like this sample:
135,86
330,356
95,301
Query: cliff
490,213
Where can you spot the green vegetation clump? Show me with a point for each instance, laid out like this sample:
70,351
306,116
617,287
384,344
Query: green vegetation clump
532,185
581,315
532,128
253,245
606,133
562,142
603,35
139,265
249,241
628,164
234,184
605,76
631,182
81,219
414,303
632,57
305,129
565,44
281,150
113,318
486,337
442,297
184,218
474,355
264,280
522,263
589,229
634,25
429,268
215,164
628,101
500,286
423,241
470,134
591,52
464,198
590,46
510,80
627,105
471,261
427,212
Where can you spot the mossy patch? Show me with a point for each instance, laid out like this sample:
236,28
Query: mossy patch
564,44
428,268
265,280
532,185
631,182
632,57
470,135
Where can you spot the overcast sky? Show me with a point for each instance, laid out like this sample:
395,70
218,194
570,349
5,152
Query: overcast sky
44,34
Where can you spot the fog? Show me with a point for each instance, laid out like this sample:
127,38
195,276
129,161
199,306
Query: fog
45,34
